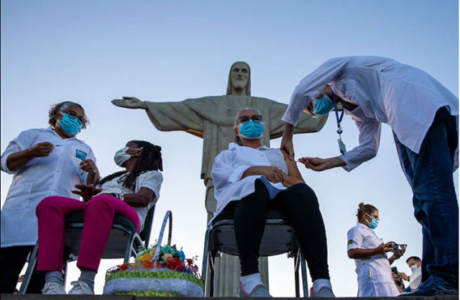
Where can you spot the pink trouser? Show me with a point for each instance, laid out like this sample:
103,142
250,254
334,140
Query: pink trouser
98,216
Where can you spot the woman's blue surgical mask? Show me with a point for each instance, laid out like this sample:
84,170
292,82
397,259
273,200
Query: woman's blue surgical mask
322,106
70,124
373,223
251,130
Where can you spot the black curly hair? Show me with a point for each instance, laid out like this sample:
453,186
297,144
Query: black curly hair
149,160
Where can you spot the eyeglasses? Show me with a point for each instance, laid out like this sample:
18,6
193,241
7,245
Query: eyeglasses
254,118
74,115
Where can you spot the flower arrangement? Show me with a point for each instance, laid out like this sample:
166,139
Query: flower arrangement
169,258
160,271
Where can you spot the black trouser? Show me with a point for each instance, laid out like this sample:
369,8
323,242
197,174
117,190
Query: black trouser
12,260
301,207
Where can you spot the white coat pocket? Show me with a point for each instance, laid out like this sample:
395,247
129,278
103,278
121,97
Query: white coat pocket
18,196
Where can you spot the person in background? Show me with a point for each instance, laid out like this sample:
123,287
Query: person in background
250,179
415,279
423,115
45,162
369,252
129,193
398,281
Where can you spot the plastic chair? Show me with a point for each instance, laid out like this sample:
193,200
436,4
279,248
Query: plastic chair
123,242
278,238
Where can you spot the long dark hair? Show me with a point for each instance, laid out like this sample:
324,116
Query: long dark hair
149,160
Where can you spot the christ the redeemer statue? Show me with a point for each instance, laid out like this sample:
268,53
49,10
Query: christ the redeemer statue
212,119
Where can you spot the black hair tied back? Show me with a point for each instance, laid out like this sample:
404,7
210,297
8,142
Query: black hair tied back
149,160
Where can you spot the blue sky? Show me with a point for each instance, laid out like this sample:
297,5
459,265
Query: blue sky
94,51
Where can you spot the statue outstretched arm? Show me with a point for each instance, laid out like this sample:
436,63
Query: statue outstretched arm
167,116
305,124
130,102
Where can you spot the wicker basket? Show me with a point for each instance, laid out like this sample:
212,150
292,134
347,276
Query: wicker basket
154,280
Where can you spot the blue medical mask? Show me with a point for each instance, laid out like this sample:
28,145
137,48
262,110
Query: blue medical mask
323,106
373,223
251,130
70,124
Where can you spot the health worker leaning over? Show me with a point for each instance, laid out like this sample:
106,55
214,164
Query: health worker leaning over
45,162
369,252
250,179
129,193
423,116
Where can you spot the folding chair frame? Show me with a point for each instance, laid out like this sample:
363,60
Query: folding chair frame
212,250
133,243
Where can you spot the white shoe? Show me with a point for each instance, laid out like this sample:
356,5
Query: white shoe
80,288
324,292
53,288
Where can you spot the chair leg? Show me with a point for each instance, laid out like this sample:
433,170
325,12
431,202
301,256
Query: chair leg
304,276
136,242
296,275
129,247
65,268
205,255
211,276
30,269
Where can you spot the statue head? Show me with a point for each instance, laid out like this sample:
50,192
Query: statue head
239,79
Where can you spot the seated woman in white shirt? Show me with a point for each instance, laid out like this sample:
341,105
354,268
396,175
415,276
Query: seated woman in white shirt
45,162
129,193
250,179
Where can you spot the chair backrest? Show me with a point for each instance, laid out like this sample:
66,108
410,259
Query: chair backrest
145,233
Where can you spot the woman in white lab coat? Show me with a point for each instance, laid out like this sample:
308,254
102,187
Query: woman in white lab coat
423,116
44,162
250,178
369,252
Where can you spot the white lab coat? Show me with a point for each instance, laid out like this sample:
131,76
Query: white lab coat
374,273
386,91
41,177
150,179
229,167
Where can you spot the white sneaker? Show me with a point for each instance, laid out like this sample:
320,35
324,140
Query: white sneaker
324,292
80,288
53,288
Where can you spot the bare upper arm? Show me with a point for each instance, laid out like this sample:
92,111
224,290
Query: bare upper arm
292,166
147,194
